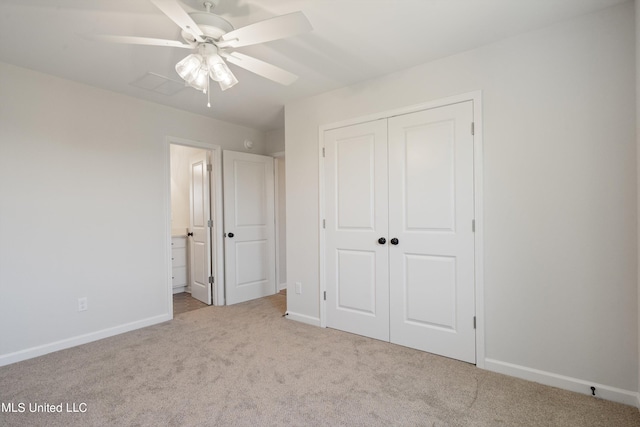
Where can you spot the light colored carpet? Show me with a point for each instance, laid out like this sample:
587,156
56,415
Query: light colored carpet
246,365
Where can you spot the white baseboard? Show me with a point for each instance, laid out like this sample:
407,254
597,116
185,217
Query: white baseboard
30,353
314,321
568,383
282,286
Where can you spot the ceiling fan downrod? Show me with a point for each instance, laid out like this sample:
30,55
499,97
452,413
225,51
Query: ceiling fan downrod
208,5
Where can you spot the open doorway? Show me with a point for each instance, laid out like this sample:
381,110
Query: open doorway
195,225
242,193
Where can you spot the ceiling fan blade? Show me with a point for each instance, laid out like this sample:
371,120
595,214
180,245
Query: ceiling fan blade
138,40
177,14
260,68
270,29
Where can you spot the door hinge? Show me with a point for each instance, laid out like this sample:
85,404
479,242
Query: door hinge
474,322
210,223
324,223
211,279
323,154
325,295
473,225
473,128
209,167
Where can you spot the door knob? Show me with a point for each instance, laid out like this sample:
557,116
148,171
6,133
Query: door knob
230,234
382,240
394,241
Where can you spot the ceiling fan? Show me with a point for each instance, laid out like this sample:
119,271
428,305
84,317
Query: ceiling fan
213,38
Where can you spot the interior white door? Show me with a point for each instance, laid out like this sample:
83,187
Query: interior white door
249,226
431,209
199,216
356,206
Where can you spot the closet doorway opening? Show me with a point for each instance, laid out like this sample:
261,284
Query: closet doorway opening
401,231
195,191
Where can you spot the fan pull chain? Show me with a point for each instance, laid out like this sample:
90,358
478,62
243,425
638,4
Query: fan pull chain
208,92
208,84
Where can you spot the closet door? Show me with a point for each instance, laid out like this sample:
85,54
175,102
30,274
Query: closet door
431,206
357,279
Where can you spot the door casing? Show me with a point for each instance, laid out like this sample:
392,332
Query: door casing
476,98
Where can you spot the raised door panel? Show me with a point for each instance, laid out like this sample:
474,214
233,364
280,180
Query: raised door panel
429,177
250,209
356,281
430,291
355,182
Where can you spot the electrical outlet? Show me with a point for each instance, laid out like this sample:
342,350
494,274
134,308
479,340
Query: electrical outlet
298,287
82,304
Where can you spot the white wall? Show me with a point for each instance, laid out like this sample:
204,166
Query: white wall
274,141
560,192
84,198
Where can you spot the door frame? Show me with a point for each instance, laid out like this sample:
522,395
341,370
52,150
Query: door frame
476,98
277,165
215,183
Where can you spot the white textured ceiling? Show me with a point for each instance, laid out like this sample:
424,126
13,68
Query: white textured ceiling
352,41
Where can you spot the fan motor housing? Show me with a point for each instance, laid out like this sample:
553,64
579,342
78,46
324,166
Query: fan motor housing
211,25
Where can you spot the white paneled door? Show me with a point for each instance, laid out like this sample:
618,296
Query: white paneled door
249,226
431,200
356,205
399,238
199,216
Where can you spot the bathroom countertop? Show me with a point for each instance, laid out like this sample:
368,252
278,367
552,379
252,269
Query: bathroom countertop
178,233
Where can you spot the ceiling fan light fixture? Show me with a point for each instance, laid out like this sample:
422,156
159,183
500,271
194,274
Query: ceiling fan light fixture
217,69
208,33
189,67
220,72
200,80
229,81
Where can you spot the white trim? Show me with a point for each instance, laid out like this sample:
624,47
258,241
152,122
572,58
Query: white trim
478,182
282,286
469,96
276,217
314,321
321,231
216,208
217,195
561,381
476,98
40,350
277,154
166,176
